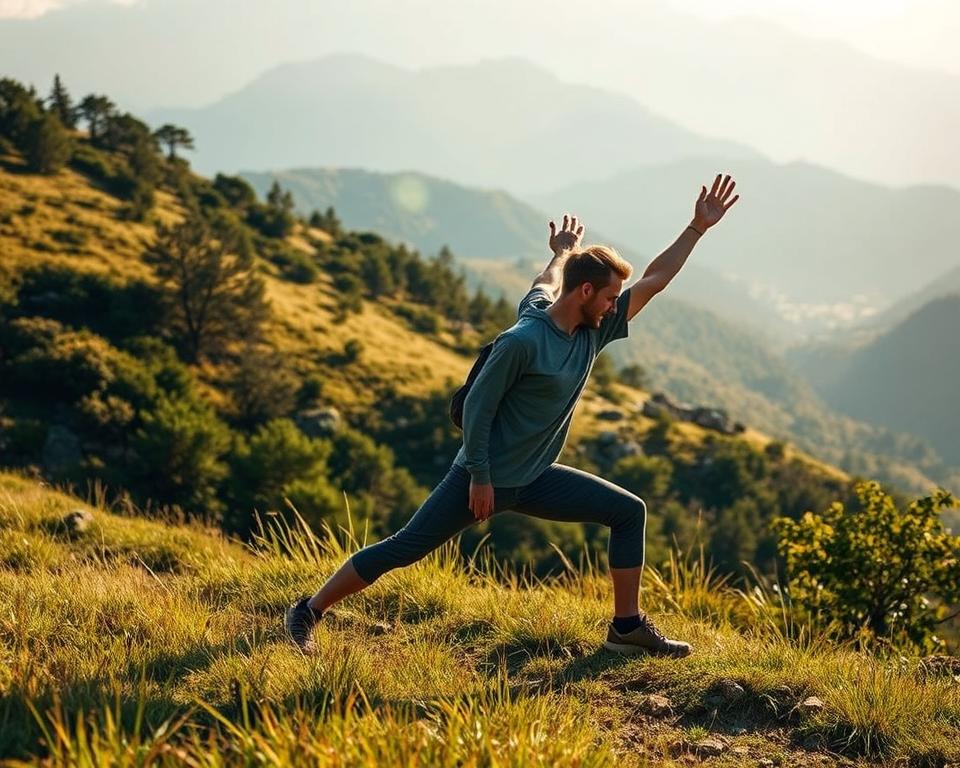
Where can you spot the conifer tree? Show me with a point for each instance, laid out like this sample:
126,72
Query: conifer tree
173,136
96,110
61,105
214,294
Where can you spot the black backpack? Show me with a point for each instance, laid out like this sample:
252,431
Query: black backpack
456,402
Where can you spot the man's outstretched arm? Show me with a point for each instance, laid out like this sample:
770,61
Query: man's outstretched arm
708,210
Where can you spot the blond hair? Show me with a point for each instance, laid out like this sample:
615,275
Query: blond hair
594,264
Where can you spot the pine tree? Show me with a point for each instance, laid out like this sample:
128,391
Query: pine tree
173,136
61,105
96,110
215,296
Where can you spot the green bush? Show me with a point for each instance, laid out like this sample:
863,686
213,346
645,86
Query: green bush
181,447
301,269
646,476
421,319
352,350
47,145
876,572
279,462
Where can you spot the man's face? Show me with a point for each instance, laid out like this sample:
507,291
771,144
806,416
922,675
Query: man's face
601,303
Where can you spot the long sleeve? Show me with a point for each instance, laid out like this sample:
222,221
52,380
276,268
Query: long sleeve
506,363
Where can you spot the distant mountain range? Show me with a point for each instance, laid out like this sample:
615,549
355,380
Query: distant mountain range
905,379
818,247
505,124
821,247
751,81
500,239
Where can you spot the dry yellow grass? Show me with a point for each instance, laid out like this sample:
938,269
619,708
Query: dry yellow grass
142,643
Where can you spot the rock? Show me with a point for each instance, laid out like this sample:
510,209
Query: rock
740,751
619,450
729,689
811,705
938,666
712,418
708,747
765,762
77,521
61,450
652,410
611,414
319,422
656,705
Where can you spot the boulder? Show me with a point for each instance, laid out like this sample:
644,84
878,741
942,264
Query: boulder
712,418
656,705
610,414
61,450
810,705
319,422
628,448
729,690
76,521
708,747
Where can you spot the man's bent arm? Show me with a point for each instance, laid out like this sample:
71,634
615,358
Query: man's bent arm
500,372
551,279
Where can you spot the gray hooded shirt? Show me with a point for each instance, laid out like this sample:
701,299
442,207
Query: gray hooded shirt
518,412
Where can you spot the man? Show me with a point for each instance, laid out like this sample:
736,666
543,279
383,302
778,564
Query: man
515,422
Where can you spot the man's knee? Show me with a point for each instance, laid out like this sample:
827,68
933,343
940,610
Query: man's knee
632,514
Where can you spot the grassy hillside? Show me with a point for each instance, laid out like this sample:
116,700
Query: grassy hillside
67,221
135,642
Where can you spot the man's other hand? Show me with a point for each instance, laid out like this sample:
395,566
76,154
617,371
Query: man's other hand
481,500
569,236
709,208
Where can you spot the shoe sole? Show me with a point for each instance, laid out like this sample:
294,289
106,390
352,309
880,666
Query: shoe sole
628,648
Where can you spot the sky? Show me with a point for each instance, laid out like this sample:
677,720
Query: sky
917,32
868,88
921,33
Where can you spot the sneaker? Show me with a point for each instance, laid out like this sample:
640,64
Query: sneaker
645,639
299,622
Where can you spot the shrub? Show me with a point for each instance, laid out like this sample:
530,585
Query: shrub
872,571
279,462
180,448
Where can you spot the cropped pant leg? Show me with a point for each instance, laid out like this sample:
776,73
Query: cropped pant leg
442,516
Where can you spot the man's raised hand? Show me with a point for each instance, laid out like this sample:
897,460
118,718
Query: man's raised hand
569,236
709,209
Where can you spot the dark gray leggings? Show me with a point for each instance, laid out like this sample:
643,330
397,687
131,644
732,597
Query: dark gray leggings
559,493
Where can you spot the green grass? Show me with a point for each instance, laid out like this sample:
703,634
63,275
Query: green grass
146,642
